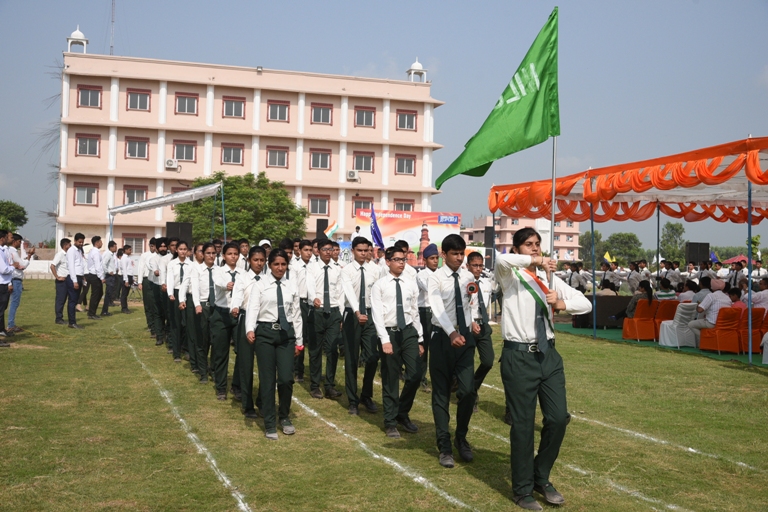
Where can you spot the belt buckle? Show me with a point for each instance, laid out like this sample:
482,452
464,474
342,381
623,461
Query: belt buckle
394,329
275,327
533,348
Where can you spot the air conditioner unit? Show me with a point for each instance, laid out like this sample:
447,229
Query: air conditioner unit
352,175
171,163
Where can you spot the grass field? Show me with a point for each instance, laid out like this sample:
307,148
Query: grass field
101,419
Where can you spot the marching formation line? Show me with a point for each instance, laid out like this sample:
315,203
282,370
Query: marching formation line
241,503
651,439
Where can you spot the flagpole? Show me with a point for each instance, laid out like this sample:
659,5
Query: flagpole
552,226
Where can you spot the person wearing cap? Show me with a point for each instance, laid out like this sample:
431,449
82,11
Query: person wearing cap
431,259
486,285
531,367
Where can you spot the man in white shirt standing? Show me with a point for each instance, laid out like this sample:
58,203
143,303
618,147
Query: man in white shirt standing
19,264
300,273
145,286
159,300
60,271
481,300
75,278
127,269
95,277
6,274
110,264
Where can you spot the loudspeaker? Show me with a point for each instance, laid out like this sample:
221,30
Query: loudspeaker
489,235
322,225
182,230
696,252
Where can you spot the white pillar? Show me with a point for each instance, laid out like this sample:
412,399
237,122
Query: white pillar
159,210
160,150
162,106
385,165
426,158
59,232
385,199
254,155
342,203
158,232
208,155
298,198
302,103
342,162
432,129
385,121
112,161
64,145
110,194
114,98
62,195
209,106
299,160
344,115
425,203
64,96
429,169
427,128
256,108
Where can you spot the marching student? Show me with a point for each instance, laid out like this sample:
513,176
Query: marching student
394,303
431,260
166,304
222,324
481,299
175,275
145,287
326,294
452,348
359,329
307,311
95,277
153,269
286,245
296,249
127,267
217,244
530,364
203,293
60,271
110,265
274,327
242,259
76,268
242,377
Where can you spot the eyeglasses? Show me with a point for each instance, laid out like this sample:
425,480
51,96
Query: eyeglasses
326,249
398,260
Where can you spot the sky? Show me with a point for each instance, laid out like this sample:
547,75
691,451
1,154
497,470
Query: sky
637,80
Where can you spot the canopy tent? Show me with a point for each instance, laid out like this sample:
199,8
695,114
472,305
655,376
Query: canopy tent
184,196
740,257
724,183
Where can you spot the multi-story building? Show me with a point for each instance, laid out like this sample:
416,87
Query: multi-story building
135,128
566,234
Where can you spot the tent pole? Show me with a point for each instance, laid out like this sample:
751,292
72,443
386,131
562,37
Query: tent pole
552,207
658,242
749,267
594,285
213,216
223,215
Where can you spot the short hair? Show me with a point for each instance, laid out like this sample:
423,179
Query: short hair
676,263
171,240
322,243
360,240
390,252
111,244
665,283
691,285
522,235
705,282
257,249
643,261
216,241
759,261
403,244
230,245
64,241
279,253
453,242
474,255
335,244
243,241
735,292
605,263
127,247
207,246
727,286
285,244
95,239
581,265
3,233
296,240
693,262
153,241
120,252
79,236
182,242
305,243
17,237
605,284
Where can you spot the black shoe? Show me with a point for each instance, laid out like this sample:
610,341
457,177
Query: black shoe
251,415
170,351
299,379
508,418
61,322
316,393
526,501
550,494
177,360
74,326
369,405
425,387
392,433
221,396
353,410
159,342
203,381
4,344
407,424
238,396
106,313
126,311
465,451
94,317
446,460
332,393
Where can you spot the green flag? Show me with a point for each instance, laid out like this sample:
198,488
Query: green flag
527,113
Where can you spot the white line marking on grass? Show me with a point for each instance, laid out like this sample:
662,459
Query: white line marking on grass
607,481
241,504
399,467
652,439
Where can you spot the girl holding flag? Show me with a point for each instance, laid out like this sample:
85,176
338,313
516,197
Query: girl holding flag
530,365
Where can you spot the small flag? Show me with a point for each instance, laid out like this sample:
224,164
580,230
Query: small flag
330,230
607,257
713,257
375,232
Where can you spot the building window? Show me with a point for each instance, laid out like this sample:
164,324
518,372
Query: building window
557,238
497,222
186,103
569,238
361,203
277,157
136,242
277,111
138,99
184,150
87,194
136,148
365,117
362,162
234,107
569,224
89,96
557,224
87,145
232,154
405,164
134,195
515,222
322,114
320,159
406,120
318,205
403,206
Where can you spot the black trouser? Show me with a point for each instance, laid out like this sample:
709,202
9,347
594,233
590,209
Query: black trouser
274,350
327,327
109,295
308,328
445,362
223,327
188,320
124,291
83,293
425,316
244,369
405,350
484,346
359,339
97,291
199,332
61,298
73,296
5,296
177,337
161,309
150,308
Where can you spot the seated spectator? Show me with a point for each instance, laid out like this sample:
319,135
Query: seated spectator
665,291
759,298
735,296
644,291
709,307
689,291
705,288
607,289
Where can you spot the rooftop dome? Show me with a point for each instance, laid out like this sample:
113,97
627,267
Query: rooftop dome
415,66
77,34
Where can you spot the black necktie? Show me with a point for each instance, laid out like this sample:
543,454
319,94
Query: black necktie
233,274
541,329
570,279
326,292
181,273
211,292
399,301
459,304
281,318
362,307
245,265
483,312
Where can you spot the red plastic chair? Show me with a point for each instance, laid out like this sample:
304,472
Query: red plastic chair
666,311
757,325
724,337
641,326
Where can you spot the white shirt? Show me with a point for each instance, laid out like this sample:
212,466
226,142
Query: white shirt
143,269
316,284
384,305
263,307
242,262
60,264
163,267
16,258
6,268
198,282
351,276
759,273
173,278
222,276
127,267
94,265
153,264
242,290
422,278
713,303
686,296
300,277
487,286
574,280
518,322
442,299
108,262
759,299
723,273
75,263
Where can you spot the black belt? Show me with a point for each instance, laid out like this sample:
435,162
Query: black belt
428,310
525,347
479,321
16,279
223,310
304,301
272,325
397,329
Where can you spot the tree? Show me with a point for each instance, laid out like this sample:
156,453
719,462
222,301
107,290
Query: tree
255,208
585,248
625,247
12,215
672,243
